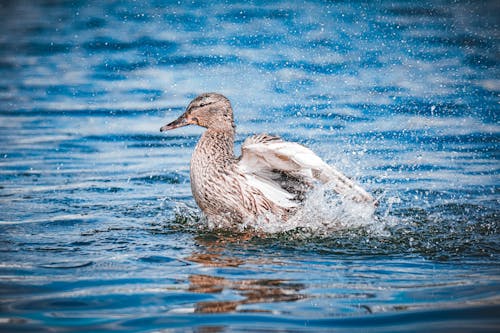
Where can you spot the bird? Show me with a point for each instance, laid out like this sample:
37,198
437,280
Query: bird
271,178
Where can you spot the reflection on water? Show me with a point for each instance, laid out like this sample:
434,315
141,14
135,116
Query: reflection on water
252,291
214,259
247,291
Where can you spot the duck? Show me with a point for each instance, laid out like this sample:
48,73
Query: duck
271,178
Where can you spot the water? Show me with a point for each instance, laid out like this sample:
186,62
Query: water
98,229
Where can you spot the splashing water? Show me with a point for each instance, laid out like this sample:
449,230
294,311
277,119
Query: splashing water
323,214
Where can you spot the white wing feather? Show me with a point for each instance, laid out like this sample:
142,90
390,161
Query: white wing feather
263,154
272,191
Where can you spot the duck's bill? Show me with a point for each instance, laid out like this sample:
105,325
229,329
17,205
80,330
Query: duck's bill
179,122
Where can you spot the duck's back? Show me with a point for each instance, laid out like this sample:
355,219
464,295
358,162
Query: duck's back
220,186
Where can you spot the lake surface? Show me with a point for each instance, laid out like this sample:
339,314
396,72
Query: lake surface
98,228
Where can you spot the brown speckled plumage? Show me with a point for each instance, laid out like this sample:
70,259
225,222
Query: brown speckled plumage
270,178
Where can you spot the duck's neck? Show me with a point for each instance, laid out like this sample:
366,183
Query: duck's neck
216,147
212,158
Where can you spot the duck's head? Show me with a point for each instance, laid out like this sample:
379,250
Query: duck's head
210,110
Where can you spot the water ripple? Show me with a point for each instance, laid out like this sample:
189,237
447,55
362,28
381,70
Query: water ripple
98,227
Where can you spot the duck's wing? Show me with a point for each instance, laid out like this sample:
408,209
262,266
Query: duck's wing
285,171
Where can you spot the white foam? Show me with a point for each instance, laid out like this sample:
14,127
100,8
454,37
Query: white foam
323,213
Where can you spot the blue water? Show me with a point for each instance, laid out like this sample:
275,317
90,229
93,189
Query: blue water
98,228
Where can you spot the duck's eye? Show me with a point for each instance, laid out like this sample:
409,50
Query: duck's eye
202,104
195,120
